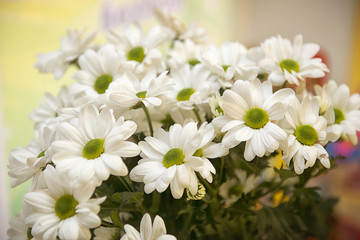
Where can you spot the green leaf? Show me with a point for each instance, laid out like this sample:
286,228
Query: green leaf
285,173
115,217
128,197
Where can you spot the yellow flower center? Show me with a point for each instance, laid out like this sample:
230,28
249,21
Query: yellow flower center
65,206
172,157
93,148
102,83
306,135
289,65
256,118
136,54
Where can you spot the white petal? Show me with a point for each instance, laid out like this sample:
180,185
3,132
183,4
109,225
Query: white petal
257,144
69,229
146,227
115,164
158,228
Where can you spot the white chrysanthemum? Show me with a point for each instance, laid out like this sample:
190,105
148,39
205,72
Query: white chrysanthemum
169,158
97,70
193,86
184,52
214,105
229,62
107,233
129,90
243,183
31,161
251,111
49,111
139,49
208,149
18,229
72,46
306,130
290,62
192,32
64,209
340,109
148,230
92,149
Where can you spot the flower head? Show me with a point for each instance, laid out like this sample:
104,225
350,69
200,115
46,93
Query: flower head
251,111
306,132
93,148
291,62
172,158
72,46
64,209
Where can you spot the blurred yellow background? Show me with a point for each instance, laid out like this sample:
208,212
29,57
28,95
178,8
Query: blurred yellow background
28,27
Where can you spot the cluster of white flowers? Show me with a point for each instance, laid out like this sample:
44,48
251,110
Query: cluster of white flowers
176,111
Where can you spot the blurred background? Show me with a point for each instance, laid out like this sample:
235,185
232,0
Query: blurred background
28,27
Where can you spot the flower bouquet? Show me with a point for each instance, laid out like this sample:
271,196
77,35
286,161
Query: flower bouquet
166,136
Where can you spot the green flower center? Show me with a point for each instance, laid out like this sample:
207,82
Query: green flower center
193,62
172,157
339,116
102,83
185,94
236,190
306,135
65,206
289,65
141,94
41,154
198,153
93,148
256,118
29,236
136,54
219,110
225,67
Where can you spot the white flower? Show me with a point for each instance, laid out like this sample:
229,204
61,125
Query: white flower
91,150
340,109
193,86
169,158
31,161
50,109
232,189
129,90
18,229
97,71
229,62
184,52
306,130
251,111
148,230
72,46
139,49
208,149
214,105
192,32
64,209
290,62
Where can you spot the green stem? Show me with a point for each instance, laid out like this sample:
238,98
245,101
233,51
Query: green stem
155,202
148,118
221,170
196,111
123,181
129,182
272,189
209,187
